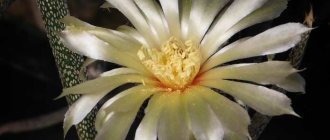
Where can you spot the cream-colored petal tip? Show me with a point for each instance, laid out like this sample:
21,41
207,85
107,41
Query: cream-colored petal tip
64,93
299,25
306,28
303,91
294,114
58,97
106,5
67,20
66,125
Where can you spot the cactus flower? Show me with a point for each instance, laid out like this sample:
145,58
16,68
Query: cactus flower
177,54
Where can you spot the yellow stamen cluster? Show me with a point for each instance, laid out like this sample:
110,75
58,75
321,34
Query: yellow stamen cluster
175,64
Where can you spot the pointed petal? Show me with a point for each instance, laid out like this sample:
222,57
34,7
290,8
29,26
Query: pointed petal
114,38
155,17
270,10
293,83
106,5
72,21
85,43
262,99
173,122
204,123
234,118
234,13
270,72
105,83
132,12
274,40
207,65
117,126
148,127
116,116
79,109
171,12
202,14
95,90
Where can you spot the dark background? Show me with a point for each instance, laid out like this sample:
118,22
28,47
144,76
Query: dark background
30,79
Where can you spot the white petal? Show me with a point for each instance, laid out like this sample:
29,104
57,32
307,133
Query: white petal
106,5
115,38
79,110
270,10
148,127
155,17
131,11
293,83
85,43
204,123
262,99
207,66
274,40
133,33
185,8
270,72
126,103
202,14
173,121
72,21
119,71
95,90
234,118
171,11
117,126
234,13
105,83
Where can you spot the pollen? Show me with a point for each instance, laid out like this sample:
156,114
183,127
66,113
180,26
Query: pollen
175,64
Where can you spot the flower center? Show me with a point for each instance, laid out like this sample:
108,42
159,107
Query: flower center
175,64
